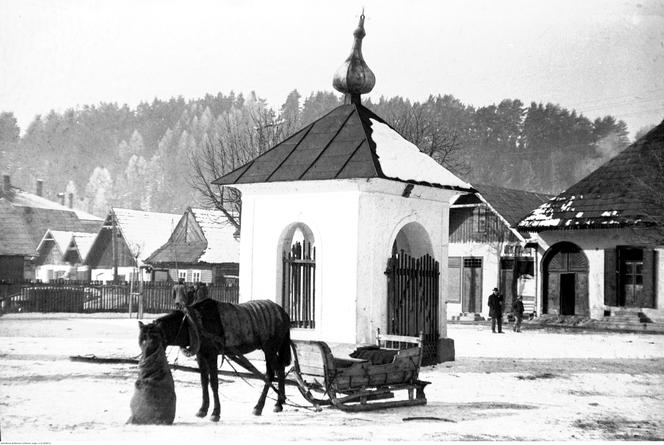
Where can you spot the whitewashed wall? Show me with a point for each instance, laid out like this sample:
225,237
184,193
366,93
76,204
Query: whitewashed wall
593,243
490,265
354,223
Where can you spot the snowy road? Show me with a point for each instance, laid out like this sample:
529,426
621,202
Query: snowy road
538,385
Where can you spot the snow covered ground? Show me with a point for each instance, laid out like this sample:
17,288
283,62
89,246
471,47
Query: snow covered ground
537,385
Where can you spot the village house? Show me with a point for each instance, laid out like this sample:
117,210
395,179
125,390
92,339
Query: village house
602,240
29,216
60,255
126,239
337,216
486,251
204,247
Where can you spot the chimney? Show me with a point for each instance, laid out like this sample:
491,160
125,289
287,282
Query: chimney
62,198
6,183
70,200
40,187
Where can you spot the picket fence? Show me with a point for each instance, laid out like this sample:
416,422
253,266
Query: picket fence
92,296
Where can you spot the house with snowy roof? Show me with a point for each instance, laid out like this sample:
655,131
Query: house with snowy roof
204,247
26,217
603,238
60,255
486,250
126,239
337,215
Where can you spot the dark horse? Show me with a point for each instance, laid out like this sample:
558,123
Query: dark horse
232,329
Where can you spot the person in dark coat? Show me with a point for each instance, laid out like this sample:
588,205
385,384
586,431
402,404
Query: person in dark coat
496,302
201,292
179,294
517,310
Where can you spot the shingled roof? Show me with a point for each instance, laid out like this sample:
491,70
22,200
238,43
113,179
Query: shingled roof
79,246
37,215
14,236
347,143
511,204
626,191
201,236
143,231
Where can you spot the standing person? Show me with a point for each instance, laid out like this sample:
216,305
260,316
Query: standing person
179,294
517,309
201,292
496,302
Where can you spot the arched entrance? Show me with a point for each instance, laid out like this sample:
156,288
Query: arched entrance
297,253
565,272
412,288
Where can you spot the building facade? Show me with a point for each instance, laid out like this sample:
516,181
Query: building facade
602,239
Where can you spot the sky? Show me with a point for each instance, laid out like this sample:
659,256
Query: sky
598,57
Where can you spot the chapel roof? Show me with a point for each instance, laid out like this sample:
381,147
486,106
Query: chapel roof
349,142
626,191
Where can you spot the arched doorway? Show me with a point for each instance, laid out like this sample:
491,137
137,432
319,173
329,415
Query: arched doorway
297,254
412,288
565,272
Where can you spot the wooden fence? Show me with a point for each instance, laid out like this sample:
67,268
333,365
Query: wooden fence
91,296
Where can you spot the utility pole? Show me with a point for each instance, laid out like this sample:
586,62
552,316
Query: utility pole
114,246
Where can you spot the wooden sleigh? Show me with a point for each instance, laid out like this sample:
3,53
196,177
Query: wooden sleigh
361,384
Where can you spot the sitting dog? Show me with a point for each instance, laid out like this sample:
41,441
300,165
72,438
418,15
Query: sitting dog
153,401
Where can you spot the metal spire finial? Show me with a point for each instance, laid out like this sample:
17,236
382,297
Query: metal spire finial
354,77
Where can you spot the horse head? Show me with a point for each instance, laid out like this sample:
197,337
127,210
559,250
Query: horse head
180,328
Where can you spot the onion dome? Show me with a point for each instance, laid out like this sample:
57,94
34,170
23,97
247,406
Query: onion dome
354,77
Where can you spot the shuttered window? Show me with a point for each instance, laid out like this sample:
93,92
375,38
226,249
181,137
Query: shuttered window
454,279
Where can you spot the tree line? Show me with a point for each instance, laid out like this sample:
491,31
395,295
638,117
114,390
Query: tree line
161,156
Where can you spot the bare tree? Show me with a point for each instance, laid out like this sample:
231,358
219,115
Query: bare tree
420,124
243,135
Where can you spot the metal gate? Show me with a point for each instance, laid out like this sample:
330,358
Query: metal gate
412,300
299,285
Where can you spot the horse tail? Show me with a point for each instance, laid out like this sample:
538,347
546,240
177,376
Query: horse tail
285,350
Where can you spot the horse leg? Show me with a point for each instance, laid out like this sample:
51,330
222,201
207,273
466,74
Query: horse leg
214,384
269,373
204,371
281,396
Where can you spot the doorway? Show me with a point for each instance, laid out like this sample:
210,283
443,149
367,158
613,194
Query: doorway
565,280
567,293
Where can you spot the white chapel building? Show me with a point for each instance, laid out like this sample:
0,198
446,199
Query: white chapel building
338,219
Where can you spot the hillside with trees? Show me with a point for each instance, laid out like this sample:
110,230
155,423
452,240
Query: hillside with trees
161,156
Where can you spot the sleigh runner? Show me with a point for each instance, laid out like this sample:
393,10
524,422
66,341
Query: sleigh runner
364,381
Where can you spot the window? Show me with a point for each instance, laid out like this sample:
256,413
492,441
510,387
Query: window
472,262
631,274
182,274
479,218
196,276
299,278
454,279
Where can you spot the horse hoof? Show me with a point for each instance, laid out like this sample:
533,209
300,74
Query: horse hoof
278,408
214,418
201,414
257,412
